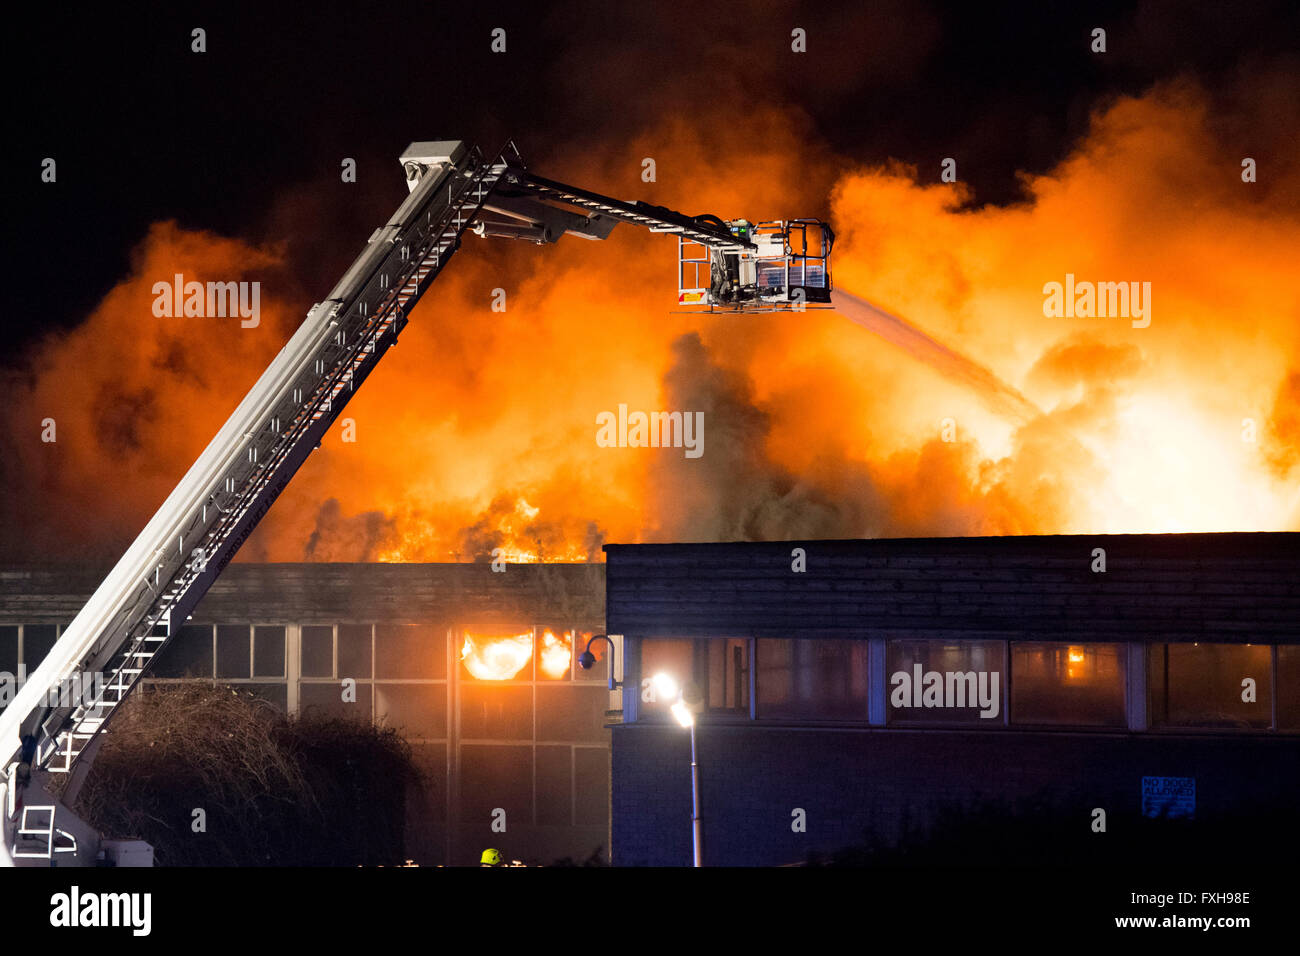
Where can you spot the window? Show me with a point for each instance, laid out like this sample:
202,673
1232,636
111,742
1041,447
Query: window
1288,687
491,711
233,658
554,653
494,777
719,668
187,654
936,682
812,679
671,656
410,652
354,651
591,784
317,651
417,710
38,639
9,650
554,769
326,701
496,655
1211,685
268,652
571,712
728,674
1074,684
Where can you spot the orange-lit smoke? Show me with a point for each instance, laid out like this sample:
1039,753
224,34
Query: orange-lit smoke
477,433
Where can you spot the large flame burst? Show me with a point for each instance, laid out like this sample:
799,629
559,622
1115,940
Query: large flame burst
505,657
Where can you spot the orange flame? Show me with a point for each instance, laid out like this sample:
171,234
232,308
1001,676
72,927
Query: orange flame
496,658
557,654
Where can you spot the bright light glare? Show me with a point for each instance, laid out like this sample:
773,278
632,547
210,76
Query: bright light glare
683,713
665,685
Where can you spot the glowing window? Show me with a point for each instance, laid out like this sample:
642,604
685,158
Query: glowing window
486,656
1074,684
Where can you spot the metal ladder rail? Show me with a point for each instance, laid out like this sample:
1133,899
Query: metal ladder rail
460,213
343,369
651,217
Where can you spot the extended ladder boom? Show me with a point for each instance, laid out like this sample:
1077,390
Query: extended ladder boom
151,591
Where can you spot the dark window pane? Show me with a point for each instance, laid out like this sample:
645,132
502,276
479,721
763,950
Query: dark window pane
1076,684
410,651
571,712
812,680
187,654
554,654
317,651
9,650
268,652
1200,685
326,700
672,656
939,682
496,711
417,710
1288,687
493,778
9,686
232,650
591,790
37,641
555,786
354,651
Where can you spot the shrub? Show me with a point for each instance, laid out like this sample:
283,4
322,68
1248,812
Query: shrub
276,791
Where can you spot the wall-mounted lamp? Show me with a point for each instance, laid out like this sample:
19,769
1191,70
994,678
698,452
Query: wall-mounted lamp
586,660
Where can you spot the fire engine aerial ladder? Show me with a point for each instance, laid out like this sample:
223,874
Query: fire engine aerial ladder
54,723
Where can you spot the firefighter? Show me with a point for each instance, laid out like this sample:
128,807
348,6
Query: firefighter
491,858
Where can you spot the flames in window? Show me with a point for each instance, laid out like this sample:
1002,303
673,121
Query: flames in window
507,657
497,658
556,654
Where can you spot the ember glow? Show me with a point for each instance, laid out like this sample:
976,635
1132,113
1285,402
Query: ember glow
971,412
496,658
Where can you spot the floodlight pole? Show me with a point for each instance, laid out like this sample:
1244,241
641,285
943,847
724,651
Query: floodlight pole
697,825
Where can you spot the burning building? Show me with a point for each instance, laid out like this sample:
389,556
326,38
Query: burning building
477,669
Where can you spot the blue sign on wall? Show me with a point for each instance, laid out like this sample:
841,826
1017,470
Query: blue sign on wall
1169,797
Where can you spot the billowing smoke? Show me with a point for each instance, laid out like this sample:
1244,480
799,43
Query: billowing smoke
477,434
